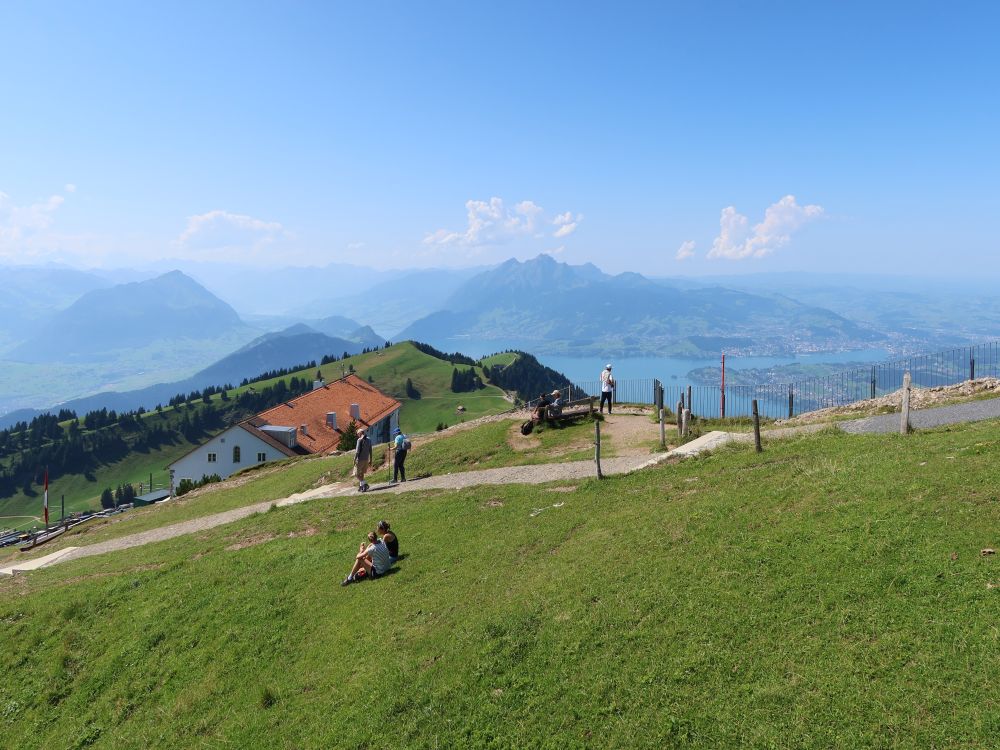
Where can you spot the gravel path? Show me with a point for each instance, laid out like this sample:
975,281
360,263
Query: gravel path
971,411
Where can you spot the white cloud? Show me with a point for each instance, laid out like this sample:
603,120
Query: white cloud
492,223
23,225
70,187
736,241
685,251
566,223
221,230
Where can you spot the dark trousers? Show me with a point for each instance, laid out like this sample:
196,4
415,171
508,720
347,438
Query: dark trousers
605,396
398,470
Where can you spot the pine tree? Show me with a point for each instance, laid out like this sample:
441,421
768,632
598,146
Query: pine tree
349,438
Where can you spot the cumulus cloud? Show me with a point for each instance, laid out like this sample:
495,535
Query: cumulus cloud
685,251
492,223
222,229
737,241
20,223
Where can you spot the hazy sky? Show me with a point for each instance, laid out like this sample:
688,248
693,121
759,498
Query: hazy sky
667,138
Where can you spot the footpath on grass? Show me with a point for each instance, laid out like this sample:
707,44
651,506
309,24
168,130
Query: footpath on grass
529,474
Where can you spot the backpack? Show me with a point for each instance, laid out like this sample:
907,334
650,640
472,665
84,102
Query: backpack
407,445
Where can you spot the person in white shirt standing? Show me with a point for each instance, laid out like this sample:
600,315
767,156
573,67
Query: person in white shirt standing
607,387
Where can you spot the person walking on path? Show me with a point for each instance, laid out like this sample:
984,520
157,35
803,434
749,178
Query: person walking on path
362,458
607,387
401,444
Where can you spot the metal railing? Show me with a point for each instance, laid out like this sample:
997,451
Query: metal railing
778,400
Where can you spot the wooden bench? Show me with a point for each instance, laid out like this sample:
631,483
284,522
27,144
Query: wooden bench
572,410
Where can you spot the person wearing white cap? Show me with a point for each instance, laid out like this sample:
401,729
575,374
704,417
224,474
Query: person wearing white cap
607,387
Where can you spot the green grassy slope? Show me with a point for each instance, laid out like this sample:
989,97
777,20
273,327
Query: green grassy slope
388,369
827,593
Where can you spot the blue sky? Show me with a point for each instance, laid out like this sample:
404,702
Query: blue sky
308,133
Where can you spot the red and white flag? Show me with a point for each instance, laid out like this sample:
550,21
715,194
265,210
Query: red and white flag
46,504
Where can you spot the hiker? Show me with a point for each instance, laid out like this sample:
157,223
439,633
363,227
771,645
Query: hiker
362,457
544,400
607,387
388,539
402,445
374,559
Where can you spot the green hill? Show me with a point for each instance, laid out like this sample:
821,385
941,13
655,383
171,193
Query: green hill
388,369
829,592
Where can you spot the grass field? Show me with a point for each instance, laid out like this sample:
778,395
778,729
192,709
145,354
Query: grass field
388,369
481,447
827,593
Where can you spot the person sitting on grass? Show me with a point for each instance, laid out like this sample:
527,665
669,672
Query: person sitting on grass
388,539
373,560
556,407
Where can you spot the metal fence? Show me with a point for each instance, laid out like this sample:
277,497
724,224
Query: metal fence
790,399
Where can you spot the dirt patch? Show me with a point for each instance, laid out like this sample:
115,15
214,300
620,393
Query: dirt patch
571,488
630,434
250,541
494,504
308,531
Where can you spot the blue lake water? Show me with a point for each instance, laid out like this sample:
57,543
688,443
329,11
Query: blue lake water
673,371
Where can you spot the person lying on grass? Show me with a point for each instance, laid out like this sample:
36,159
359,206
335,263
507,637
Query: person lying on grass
373,560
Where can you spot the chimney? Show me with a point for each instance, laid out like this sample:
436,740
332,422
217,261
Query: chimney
355,411
305,429
331,420
318,384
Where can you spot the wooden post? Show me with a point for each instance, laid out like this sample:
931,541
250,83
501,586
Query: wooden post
680,419
722,390
687,422
663,428
904,421
756,427
791,401
688,404
972,364
597,447
873,381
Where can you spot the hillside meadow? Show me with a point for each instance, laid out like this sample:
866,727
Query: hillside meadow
830,592
388,370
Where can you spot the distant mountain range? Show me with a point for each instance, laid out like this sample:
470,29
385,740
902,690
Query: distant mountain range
127,316
296,345
542,305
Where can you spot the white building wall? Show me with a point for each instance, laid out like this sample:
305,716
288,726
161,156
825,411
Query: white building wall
195,464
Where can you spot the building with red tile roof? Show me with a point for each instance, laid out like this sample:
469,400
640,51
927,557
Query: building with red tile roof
312,423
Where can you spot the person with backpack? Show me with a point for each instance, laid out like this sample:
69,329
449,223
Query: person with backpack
402,445
607,388
362,458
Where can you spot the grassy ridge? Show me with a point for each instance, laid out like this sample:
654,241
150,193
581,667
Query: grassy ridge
388,369
828,593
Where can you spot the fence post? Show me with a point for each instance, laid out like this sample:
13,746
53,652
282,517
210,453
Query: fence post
904,422
680,418
756,427
688,404
722,390
687,421
972,363
873,381
597,447
663,429
791,401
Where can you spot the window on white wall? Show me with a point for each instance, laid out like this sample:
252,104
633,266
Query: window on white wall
261,457
236,454
212,458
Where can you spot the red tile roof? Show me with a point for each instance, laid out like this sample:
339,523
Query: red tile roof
311,409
